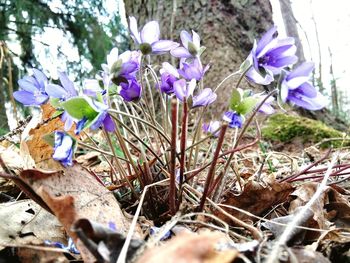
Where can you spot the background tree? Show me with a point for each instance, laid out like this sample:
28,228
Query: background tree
227,29
23,21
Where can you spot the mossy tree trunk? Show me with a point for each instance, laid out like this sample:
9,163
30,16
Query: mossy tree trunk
227,28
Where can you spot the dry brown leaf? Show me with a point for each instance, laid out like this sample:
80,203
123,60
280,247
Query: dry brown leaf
25,222
74,193
37,147
190,248
256,199
302,255
41,255
331,205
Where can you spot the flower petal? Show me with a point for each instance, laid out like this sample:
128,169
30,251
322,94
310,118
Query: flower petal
266,39
196,40
180,89
109,124
40,77
180,52
185,38
304,69
168,68
28,84
112,57
150,32
56,91
67,84
162,46
133,30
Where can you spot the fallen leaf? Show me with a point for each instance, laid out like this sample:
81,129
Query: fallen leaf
331,205
191,248
256,199
75,193
302,255
39,150
25,222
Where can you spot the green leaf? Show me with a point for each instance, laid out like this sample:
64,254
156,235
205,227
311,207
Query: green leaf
57,113
247,105
235,99
79,107
55,102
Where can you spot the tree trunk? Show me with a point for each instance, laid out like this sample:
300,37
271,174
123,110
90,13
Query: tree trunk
334,91
290,24
227,28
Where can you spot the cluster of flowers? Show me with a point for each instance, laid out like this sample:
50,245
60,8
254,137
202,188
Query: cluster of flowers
268,58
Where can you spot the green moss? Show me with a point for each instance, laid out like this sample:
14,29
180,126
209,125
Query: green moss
285,128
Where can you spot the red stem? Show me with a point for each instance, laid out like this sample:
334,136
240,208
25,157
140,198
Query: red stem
172,195
289,178
183,140
211,171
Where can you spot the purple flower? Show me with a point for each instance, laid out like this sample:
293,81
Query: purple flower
234,119
212,127
169,75
123,66
130,90
70,247
63,148
191,46
183,90
63,93
270,56
103,118
148,38
193,70
33,89
297,89
206,97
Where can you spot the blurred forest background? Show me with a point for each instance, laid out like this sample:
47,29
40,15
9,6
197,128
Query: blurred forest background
76,35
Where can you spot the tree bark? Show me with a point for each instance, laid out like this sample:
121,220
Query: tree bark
290,24
227,29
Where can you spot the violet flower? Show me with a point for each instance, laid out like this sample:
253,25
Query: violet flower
212,127
130,90
120,67
183,90
193,70
206,97
234,119
191,46
168,76
33,89
63,148
63,93
148,38
269,56
297,89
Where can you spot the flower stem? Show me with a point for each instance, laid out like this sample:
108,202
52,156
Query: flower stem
183,141
172,187
211,171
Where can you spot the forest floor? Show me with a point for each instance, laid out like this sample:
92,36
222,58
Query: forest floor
281,202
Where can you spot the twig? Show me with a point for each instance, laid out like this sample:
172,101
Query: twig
124,250
300,216
306,169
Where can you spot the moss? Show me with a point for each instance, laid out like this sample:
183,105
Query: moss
286,128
